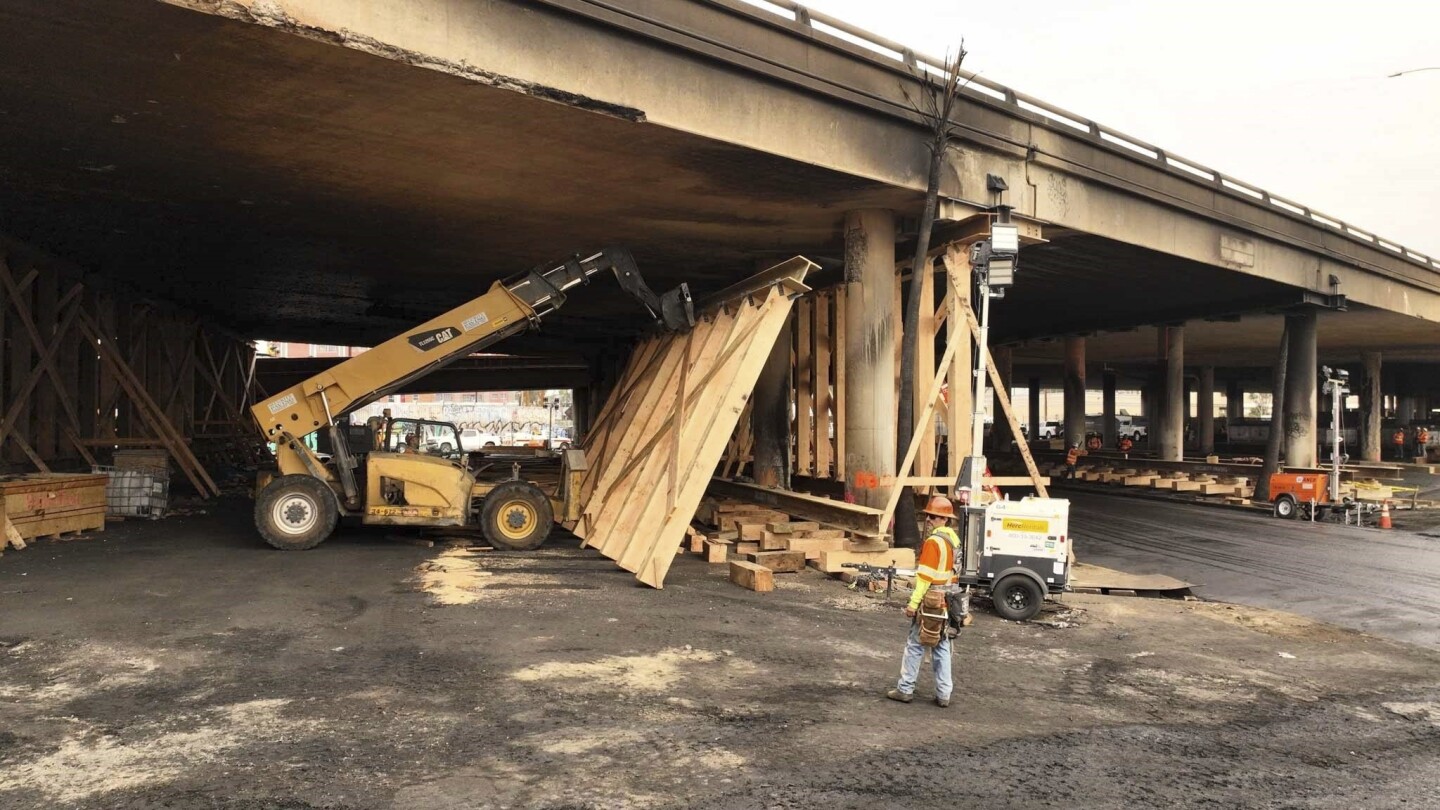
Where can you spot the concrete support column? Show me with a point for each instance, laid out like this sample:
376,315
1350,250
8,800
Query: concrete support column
1370,408
770,415
1075,390
1171,433
1206,419
871,332
1034,408
1110,426
1234,400
1000,434
1301,391
1405,409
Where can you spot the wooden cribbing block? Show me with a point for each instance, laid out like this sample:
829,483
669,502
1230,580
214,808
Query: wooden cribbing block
746,548
780,562
752,532
831,561
826,534
1187,486
770,541
792,527
865,544
752,576
716,551
1139,480
1207,488
697,544
812,546
1164,483
727,537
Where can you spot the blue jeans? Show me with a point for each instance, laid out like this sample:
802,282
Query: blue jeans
915,653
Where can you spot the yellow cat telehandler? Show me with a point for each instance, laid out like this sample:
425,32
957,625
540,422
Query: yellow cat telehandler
298,506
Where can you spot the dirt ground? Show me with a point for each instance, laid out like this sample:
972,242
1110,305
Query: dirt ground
182,664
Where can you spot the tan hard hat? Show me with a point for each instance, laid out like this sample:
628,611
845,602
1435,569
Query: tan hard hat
940,506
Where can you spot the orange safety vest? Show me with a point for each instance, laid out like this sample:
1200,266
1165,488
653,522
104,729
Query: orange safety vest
936,564
1399,437
1072,456
1422,437
1126,444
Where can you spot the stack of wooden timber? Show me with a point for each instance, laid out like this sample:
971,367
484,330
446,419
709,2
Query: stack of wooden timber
1234,489
50,505
759,537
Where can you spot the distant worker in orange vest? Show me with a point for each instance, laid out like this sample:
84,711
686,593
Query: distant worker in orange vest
1072,458
1399,439
1422,439
1094,443
1125,444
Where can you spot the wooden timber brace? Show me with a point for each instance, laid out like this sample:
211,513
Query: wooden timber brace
85,371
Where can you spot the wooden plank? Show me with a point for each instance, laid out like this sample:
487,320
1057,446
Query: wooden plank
746,548
927,411
754,577
832,562
866,544
779,561
820,359
958,409
804,390
827,512
792,527
812,546
837,336
924,287
771,541
716,551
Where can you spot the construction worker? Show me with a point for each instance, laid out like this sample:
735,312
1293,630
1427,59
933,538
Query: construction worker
1094,442
934,572
1072,458
1398,438
1422,438
1125,444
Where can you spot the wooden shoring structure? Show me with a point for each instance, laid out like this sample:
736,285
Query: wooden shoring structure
817,376
664,429
86,371
947,318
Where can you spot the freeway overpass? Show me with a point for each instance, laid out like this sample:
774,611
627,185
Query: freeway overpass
335,170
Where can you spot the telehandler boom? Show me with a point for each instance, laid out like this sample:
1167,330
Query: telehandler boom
301,505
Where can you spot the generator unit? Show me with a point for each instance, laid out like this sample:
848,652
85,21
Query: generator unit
1024,554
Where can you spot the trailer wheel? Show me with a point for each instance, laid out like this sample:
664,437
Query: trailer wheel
1017,598
296,512
1285,507
516,516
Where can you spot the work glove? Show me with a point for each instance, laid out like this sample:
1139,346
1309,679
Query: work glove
910,611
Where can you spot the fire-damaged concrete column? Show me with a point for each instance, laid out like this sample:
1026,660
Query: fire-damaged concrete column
1371,401
1234,400
1301,398
770,415
1206,417
1034,425
1170,433
870,335
1075,390
1111,426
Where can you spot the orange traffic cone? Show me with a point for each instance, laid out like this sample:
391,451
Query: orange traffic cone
1385,516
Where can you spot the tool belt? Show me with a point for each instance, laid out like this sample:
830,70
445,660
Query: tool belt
933,616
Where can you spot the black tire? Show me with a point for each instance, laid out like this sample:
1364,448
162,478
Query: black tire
516,516
1017,598
296,512
1285,508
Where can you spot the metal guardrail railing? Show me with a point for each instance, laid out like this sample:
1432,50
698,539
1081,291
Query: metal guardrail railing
997,92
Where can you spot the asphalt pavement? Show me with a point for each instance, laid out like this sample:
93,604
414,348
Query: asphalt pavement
1386,583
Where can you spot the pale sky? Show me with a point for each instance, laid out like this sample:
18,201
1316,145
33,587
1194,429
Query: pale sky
1286,95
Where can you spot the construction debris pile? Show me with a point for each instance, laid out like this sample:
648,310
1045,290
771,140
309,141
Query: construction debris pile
758,542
